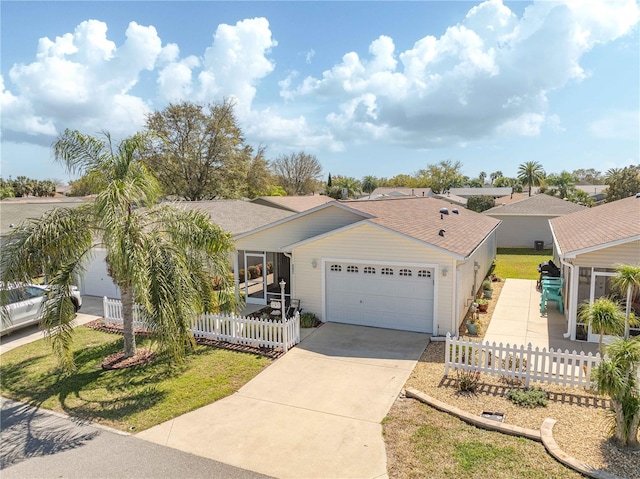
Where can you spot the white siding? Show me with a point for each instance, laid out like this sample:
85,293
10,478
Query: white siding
523,231
298,229
368,243
96,281
628,253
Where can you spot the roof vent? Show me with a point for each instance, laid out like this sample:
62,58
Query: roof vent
444,211
455,211
441,233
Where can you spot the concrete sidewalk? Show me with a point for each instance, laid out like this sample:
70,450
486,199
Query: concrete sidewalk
314,413
517,320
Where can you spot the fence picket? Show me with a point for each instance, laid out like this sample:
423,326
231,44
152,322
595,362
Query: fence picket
549,366
233,329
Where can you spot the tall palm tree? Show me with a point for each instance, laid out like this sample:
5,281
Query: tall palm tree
616,376
627,280
531,174
604,316
161,257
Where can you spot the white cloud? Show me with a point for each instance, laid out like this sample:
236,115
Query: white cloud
487,76
621,125
82,80
309,56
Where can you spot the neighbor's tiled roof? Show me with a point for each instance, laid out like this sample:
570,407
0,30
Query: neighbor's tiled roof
420,218
598,226
14,211
536,205
296,204
236,216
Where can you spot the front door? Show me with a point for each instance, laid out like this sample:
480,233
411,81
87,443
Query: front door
255,284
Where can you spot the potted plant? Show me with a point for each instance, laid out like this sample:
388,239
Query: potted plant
483,305
487,288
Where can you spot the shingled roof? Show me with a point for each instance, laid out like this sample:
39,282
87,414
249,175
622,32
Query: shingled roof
536,205
420,218
296,204
605,225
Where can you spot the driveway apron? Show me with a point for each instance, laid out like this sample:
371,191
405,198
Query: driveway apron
316,412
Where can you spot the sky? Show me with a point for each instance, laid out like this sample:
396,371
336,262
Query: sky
369,88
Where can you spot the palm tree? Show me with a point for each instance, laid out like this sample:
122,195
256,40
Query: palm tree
161,257
369,183
482,176
616,376
627,280
531,174
604,315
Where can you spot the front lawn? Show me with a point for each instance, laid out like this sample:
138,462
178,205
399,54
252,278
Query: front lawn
128,399
424,442
520,263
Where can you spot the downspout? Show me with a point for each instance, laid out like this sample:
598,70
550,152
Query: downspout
569,303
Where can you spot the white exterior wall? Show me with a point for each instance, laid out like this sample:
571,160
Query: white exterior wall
301,228
368,243
469,280
523,231
95,281
628,253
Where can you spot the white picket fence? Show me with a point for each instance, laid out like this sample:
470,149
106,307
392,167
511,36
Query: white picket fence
254,332
519,362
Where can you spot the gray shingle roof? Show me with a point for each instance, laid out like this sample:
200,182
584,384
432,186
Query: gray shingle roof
237,216
14,211
420,218
536,205
490,191
602,225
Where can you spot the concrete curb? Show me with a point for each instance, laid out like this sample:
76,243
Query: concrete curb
546,431
544,435
474,420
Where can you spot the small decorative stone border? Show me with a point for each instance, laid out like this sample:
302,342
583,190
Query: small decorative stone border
544,435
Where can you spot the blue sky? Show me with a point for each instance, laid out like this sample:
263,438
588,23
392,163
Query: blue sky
370,88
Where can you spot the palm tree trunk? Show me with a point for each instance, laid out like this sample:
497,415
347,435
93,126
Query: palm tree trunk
127,324
628,313
620,422
632,441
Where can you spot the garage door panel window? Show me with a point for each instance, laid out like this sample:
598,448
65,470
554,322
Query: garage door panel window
369,270
424,273
386,271
336,268
352,269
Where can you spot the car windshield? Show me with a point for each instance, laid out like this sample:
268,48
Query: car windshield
20,294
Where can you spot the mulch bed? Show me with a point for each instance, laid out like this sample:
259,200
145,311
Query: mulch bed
98,324
118,361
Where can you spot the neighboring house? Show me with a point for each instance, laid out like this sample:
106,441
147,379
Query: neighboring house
14,211
488,191
408,263
293,203
452,199
399,191
525,223
587,245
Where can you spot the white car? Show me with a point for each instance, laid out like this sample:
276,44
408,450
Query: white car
24,305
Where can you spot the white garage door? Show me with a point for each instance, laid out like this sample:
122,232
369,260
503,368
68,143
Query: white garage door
384,296
96,281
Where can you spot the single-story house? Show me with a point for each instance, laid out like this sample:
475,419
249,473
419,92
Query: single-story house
398,191
404,263
293,203
587,245
234,216
496,192
452,199
525,223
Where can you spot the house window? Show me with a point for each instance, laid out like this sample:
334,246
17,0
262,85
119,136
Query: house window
387,271
424,273
405,272
336,267
369,270
352,269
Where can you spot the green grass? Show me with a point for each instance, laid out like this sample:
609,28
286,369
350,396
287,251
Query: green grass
520,263
128,399
433,444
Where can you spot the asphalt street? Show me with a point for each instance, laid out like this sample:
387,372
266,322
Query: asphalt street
35,443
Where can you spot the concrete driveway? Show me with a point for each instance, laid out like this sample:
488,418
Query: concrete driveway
314,413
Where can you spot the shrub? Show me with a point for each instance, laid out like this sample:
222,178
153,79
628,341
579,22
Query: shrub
241,276
528,397
482,301
486,285
467,381
253,272
308,320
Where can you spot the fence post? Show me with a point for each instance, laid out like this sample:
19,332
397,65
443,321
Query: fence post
447,349
104,309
